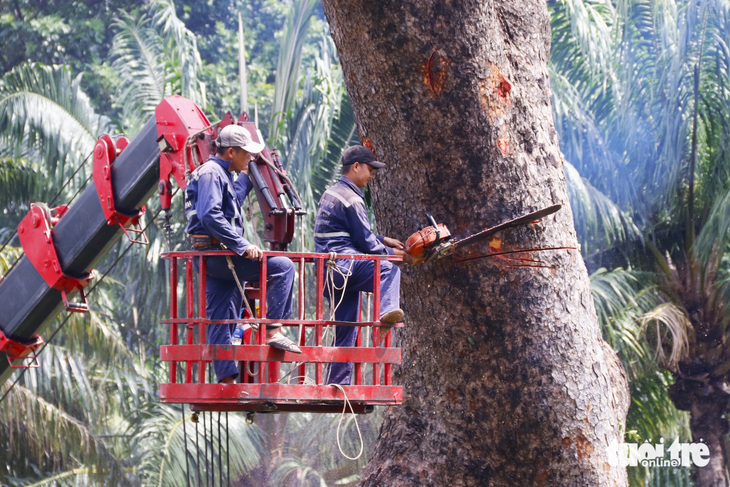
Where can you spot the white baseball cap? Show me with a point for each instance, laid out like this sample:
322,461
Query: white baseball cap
237,136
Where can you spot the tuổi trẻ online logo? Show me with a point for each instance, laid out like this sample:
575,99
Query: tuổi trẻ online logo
656,455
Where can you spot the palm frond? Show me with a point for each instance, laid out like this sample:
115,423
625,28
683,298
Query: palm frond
598,221
715,233
342,136
20,183
183,49
161,445
292,471
670,333
46,118
7,257
585,26
621,298
288,66
143,76
53,436
652,416
307,128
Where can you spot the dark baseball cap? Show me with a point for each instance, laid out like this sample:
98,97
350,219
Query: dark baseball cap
361,154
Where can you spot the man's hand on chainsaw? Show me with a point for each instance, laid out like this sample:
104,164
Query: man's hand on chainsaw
393,243
407,258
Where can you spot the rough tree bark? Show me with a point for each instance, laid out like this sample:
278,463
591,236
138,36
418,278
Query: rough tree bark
507,379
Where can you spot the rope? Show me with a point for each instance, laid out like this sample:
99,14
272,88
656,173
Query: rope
240,287
307,380
185,440
330,333
342,416
68,315
248,364
368,330
332,267
254,326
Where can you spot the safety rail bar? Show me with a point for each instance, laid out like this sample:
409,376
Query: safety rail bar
265,389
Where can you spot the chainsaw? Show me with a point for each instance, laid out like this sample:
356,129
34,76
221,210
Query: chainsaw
435,241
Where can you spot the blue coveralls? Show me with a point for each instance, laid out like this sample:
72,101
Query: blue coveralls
213,207
342,226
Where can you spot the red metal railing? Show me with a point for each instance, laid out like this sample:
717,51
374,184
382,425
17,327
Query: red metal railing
265,383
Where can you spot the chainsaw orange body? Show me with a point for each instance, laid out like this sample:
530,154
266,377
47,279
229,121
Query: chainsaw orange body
426,238
428,242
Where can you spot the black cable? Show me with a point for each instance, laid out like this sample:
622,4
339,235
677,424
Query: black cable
68,315
228,459
205,437
197,451
220,456
49,204
185,442
70,179
212,451
81,188
8,240
22,373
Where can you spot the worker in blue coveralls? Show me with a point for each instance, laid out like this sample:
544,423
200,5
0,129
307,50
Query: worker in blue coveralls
342,226
213,208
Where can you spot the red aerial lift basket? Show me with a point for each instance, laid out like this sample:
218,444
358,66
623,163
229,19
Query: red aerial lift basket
270,379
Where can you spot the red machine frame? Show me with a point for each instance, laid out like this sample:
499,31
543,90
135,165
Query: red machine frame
21,351
105,152
263,391
36,237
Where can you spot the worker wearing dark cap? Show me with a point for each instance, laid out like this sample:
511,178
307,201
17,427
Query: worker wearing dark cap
213,203
342,226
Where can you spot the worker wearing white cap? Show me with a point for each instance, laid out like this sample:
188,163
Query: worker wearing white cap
213,208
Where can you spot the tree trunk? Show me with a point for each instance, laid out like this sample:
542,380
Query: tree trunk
507,379
710,427
707,406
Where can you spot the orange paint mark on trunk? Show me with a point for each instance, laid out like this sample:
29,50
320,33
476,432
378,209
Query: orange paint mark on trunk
504,87
435,71
494,93
495,245
367,143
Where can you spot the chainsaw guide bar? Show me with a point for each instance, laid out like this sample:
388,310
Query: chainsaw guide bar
434,242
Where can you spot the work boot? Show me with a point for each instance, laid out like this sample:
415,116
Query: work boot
393,316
